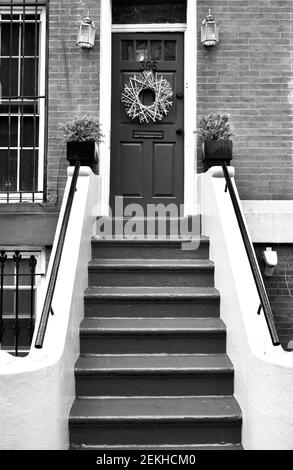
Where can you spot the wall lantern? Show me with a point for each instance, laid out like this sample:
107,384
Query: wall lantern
86,33
209,31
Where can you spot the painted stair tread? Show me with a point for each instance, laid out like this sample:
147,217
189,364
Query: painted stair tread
164,217
154,363
201,409
151,264
152,325
137,292
152,240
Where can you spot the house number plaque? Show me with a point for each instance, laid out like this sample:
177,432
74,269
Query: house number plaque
147,65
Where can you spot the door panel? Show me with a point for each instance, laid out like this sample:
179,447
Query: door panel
131,172
147,160
163,170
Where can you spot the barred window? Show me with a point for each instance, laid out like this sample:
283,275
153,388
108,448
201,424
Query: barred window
22,272
22,101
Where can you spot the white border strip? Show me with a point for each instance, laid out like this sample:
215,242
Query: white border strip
149,28
269,221
105,101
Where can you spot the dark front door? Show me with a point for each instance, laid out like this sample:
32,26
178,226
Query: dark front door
147,158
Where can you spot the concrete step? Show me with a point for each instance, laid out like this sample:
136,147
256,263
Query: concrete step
151,272
152,301
148,226
152,335
196,447
151,248
154,375
155,421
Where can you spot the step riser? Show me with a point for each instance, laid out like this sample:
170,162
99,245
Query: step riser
140,278
149,227
153,385
157,309
159,251
155,433
200,391
167,344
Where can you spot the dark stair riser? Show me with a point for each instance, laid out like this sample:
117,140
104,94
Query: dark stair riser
146,250
156,432
200,277
181,320
202,308
185,343
154,384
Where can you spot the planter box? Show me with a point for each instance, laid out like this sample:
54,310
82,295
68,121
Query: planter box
85,152
214,152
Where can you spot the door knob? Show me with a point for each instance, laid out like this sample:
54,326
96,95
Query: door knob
179,96
179,131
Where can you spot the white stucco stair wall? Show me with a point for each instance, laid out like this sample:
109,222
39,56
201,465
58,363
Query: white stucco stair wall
263,372
37,391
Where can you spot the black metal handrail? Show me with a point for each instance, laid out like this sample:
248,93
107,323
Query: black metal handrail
264,301
47,308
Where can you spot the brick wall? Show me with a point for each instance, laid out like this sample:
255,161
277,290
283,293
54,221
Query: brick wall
250,75
73,80
280,289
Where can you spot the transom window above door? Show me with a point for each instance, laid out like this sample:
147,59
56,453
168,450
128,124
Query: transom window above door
148,11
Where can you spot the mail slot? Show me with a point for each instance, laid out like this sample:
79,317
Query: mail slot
148,134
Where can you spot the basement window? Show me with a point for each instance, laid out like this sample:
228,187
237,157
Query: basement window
148,11
19,294
22,102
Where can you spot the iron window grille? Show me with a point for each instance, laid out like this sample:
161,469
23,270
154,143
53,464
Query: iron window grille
21,275
22,100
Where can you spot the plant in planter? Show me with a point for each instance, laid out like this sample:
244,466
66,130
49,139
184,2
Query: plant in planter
82,135
215,131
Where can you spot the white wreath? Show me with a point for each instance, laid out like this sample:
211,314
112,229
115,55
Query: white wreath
163,97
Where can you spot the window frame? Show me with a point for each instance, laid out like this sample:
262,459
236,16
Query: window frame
38,194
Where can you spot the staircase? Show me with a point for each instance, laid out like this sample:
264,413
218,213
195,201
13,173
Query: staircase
153,371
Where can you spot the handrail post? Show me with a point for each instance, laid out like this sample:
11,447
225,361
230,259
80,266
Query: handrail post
16,326
264,300
47,307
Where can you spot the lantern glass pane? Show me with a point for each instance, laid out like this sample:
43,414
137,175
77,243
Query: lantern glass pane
84,33
210,30
92,34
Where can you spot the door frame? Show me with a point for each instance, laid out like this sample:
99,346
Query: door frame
190,111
